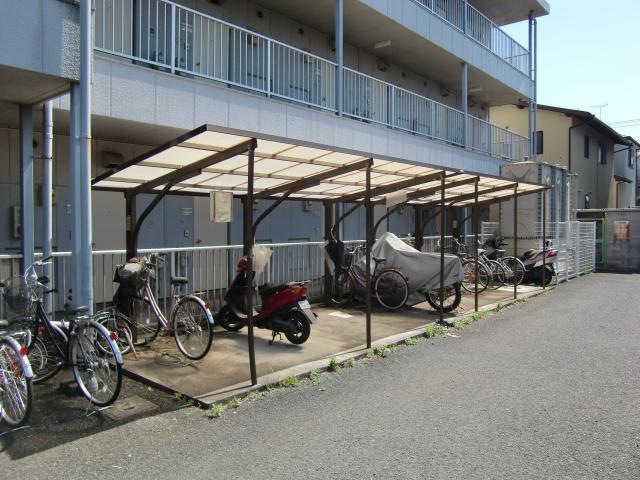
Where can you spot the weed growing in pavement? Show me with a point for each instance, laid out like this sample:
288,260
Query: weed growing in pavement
290,382
270,388
382,351
370,354
254,395
333,364
314,377
434,330
216,410
350,362
235,402
177,396
499,307
410,341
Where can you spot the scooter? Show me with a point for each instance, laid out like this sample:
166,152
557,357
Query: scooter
285,308
533,264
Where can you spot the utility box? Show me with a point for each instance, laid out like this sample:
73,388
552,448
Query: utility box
558,202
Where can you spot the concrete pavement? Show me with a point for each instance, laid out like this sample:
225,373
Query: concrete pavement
547,389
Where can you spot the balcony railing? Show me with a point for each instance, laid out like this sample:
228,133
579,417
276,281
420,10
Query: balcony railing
477,26
180,40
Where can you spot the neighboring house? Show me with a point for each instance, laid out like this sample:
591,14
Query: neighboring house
419,78
625,173
586,146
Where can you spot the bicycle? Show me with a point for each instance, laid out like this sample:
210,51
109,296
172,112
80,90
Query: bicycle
16,379
471,265
80,342
191,319
389,285
498,273
514,267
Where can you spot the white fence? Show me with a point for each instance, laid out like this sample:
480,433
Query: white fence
211,269
177,39
575,242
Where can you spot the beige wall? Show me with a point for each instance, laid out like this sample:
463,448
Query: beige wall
626,191
592,177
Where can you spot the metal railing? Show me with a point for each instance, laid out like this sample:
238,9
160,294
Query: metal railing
477,26
575,242
177,39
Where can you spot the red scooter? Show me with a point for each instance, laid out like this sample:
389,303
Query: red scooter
285,308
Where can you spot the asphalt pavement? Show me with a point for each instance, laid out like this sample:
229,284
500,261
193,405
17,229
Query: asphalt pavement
545,389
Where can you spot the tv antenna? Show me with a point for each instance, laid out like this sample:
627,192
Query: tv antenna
600,107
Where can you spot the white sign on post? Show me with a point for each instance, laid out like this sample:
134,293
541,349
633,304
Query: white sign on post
221,207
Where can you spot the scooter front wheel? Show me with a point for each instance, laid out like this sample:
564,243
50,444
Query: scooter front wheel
301,325
229,320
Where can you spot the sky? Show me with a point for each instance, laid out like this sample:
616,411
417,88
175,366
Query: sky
589,54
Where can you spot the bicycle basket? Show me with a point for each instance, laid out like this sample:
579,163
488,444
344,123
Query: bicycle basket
131,277
18,296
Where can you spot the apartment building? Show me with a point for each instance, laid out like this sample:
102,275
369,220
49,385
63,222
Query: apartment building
586,146
412,80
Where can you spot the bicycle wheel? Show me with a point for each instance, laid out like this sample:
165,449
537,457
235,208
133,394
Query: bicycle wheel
145,323
16,391
498,274
451,300
342,289
44,354
117,322
96,372
469,282
515,269
191,327
391,289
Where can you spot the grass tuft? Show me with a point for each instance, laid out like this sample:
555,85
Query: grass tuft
216,411
314,377
410,341
290,382
333,364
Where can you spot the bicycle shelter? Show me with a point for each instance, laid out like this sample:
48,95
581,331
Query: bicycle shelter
210,158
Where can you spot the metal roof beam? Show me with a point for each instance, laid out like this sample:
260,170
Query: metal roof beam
393,187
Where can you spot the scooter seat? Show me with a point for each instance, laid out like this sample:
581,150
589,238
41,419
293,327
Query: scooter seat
527,254
269,288
179,280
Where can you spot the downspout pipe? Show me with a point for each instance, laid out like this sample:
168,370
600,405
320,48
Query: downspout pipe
47,191
86,254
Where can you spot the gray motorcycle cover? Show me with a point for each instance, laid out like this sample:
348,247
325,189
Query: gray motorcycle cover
422,269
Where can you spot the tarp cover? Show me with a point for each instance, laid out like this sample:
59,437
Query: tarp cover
422,269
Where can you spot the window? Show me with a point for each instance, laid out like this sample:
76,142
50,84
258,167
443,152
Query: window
602,154
586,146
539,142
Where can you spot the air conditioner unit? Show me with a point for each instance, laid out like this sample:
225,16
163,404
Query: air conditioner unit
111,159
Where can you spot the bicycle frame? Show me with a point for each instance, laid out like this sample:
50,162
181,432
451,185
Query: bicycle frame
149,296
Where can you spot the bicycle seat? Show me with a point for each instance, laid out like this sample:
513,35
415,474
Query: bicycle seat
4,323
179,280
379,260
269,288
78,310
500,251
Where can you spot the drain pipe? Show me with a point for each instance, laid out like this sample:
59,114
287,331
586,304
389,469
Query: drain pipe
47,191
86,256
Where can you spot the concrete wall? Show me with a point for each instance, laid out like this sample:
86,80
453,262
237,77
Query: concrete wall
41,36
129,92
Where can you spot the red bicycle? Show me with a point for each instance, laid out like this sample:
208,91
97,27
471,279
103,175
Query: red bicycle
389,285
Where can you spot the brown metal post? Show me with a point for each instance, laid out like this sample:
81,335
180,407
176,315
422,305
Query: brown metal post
327,206
418,238
130,206
248,248
442,224
544,237
475,230
369,241
515,234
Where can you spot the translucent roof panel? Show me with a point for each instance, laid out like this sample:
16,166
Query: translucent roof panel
208,159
